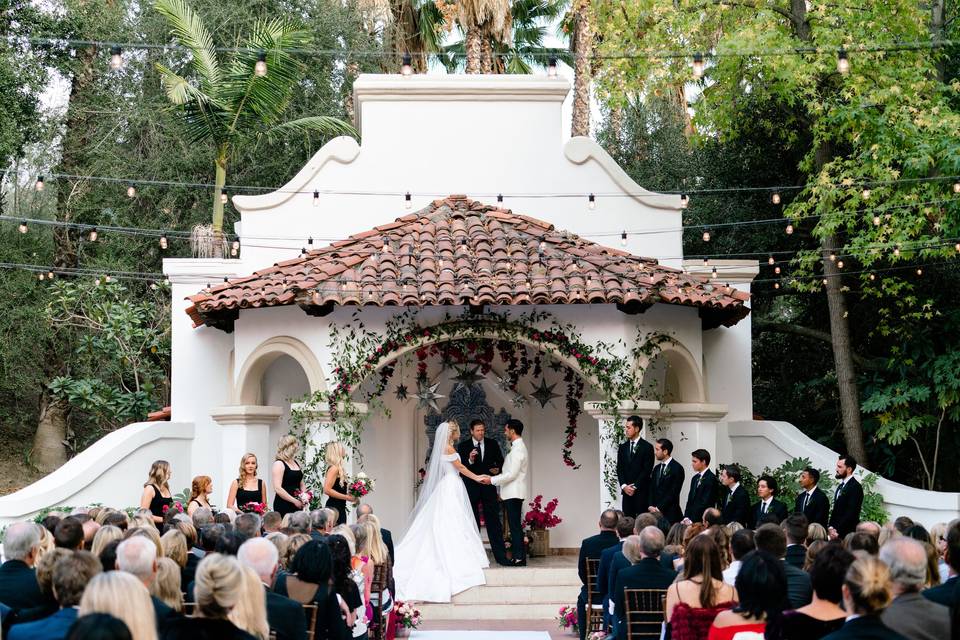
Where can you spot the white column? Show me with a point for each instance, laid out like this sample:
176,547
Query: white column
245,429
608,486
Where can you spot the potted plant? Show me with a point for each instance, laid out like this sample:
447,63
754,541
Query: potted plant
539,520
567,619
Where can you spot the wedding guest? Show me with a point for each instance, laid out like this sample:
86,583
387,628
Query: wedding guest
634,464
300,522
44,569
248,487
345,586
50,521
271,522
166,586
861,542
174,546
771,538
309,583
218,589
371,545
815,547
693,602
869,526
645,572
866,593
248,524
903,524
362,567
287,477
768,508
279,541
741,543
719,535
156,491
761,593
125,598
812,501
118,519
674,543
910,614
149,532
105,536
847,499
250,612
138,557
601,589
284,616
815,531
98,626
229,543
619,560
590,549
364,510
69,534
108,556
200,489
823,615
201,517
735,501
294,543
666,482
796,529
70,577
18,579
335,481
703,487
194,551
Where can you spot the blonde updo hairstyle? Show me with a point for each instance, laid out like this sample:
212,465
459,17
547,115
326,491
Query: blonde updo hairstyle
104,536
294,543
868,581
124,597
454,428
218,585
174,546
47,543
287,448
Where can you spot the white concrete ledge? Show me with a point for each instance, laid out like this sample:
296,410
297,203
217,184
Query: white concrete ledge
642,408
241,414
692,411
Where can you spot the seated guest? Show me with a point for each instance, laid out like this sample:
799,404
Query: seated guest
815,531
219,586
174,545
903,524
319,521
90,528
741,543
117,519
364,510
910,614
712,517
194,551
108,556
770,538
797,530
866,593
138,557
719,535
271,522
674,543
69,534
71,574
123,597
44,570
761,594
229,543
645,572
590,549
815,547
768,508
309,583
619,561
694,601
868,526
50,522
166,586
18,579
624,530
345,586
300,522
98,626
202,517
248,524
250,612
294,543
284,616
106,535
823,615
861,542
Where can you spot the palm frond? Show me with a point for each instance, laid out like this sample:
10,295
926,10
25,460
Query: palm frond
323,126
188,28
178,89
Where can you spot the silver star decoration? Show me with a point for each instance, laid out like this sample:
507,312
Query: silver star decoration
401,392
427,396
466,377
544,393
519,401
503,383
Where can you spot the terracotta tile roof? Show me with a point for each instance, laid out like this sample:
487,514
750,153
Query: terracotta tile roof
461,252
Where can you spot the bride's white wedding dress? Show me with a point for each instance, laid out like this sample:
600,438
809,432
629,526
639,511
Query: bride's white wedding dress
441,553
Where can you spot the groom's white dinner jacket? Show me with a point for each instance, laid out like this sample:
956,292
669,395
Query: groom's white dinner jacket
513,479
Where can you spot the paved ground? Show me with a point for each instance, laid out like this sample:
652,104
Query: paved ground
549,626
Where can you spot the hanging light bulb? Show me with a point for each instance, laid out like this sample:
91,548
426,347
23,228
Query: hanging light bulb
843,63
163,242
153,286
876,221
866,193
824,282
591,202
166,282
131,191
919,271
116,57
713,273
839,264
956,187
896,251
316,198
93,235
789,228
957,247
40,277
706,236
260,69
224,198
499,198
776,285
407,200
50,275
873,277
706,261
776,269
775,198
833,257
407,67
684,200
107,279
552,66
697,66
310,241
22,228
770,261
623,239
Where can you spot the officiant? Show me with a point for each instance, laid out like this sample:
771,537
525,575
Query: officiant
483,456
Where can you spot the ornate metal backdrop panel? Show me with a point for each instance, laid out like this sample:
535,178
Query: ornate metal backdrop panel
468,402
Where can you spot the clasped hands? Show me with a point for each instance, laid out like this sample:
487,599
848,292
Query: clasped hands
484,479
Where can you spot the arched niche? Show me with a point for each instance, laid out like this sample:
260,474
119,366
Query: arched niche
673,377
248,389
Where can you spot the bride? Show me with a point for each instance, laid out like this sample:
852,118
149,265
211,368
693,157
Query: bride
441,553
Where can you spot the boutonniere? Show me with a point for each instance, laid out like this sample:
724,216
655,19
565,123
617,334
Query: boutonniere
666,471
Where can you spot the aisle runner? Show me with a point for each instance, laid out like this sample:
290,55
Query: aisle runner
479,635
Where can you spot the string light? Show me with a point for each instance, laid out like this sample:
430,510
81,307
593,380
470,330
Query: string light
260,68
697,66
876,221
591,202
872,277
40,277
552,67
316,198
866,193
833,257
919,271
839,264
93,235
23,226
706,236
223,197
684,200
116,57
957,247
163,242
956,187
623,239
50,275
770,261
407,201
789,229
407,66
131,191
896,251
39,185
824,282
713,273
776,270
775,198
776,285
843,63
499,198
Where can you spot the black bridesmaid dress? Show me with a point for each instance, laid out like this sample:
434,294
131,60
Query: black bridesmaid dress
290,483
158,502
338,503
244,496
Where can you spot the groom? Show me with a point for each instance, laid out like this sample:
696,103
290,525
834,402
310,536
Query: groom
482,456
513,490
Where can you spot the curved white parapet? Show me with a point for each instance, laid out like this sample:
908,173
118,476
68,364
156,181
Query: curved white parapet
760,443
111,471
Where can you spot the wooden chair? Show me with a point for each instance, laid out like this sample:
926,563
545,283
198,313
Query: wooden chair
189,608
644,612
310,612
377,586
594,607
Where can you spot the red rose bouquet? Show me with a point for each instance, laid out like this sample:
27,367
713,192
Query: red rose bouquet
254,507
360,486
177,506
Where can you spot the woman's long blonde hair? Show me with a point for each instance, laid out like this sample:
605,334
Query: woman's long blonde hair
174,546
334,455
250,612
166,586
242,478
123,597
287,448
104,536
373,545
159,474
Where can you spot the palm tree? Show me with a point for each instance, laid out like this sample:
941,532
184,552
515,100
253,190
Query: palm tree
582,46
231,104
483,21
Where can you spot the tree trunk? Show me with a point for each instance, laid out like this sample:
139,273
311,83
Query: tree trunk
474,47
486,56
49,451
352,71
583,44
938,34
218,191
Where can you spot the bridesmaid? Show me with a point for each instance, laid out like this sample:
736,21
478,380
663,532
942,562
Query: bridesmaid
287,476
335,481
247,487
156,490
200,490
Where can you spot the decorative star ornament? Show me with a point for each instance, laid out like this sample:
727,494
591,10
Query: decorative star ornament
466,377
427,396
401,392
503,383
519,401
543,393
556,365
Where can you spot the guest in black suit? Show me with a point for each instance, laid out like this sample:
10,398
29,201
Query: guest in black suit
483,457
812,501
367,510
770,538
736,502
703,487
592,548
18,579
624,531
285,616
795,526
910,614
866,592
643,552
847,499
768,508
666,482
948,593
634,463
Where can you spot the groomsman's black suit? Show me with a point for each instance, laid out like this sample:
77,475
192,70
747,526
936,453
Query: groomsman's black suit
736,506
847,501
776,508
817,507
491,458
634,468
666,481
702,496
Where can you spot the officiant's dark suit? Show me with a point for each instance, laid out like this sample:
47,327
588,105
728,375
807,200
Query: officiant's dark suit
488,461
634,464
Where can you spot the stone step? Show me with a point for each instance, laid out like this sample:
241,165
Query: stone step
498,576
518,611
518,594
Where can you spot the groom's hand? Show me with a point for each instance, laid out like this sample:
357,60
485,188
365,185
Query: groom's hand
484,479
494,471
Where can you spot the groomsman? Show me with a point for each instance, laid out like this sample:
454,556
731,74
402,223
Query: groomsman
847,499
768,509
812,501
736,502
666,483
703,487
483,457
634,463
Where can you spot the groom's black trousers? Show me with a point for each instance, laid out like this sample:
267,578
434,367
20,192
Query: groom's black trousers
487,496
513,506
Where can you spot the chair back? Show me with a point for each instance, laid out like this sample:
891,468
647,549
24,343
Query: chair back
593,567
310,613
377,586
644,613
189,608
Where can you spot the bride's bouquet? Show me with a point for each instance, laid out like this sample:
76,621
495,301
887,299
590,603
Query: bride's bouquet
360,486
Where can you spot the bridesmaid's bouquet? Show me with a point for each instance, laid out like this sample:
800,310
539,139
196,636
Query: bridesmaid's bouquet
176,506
305,497
360,486
258,508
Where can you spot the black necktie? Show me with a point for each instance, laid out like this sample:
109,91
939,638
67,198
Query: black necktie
806,501
763,508
839,491
633,448
696,483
